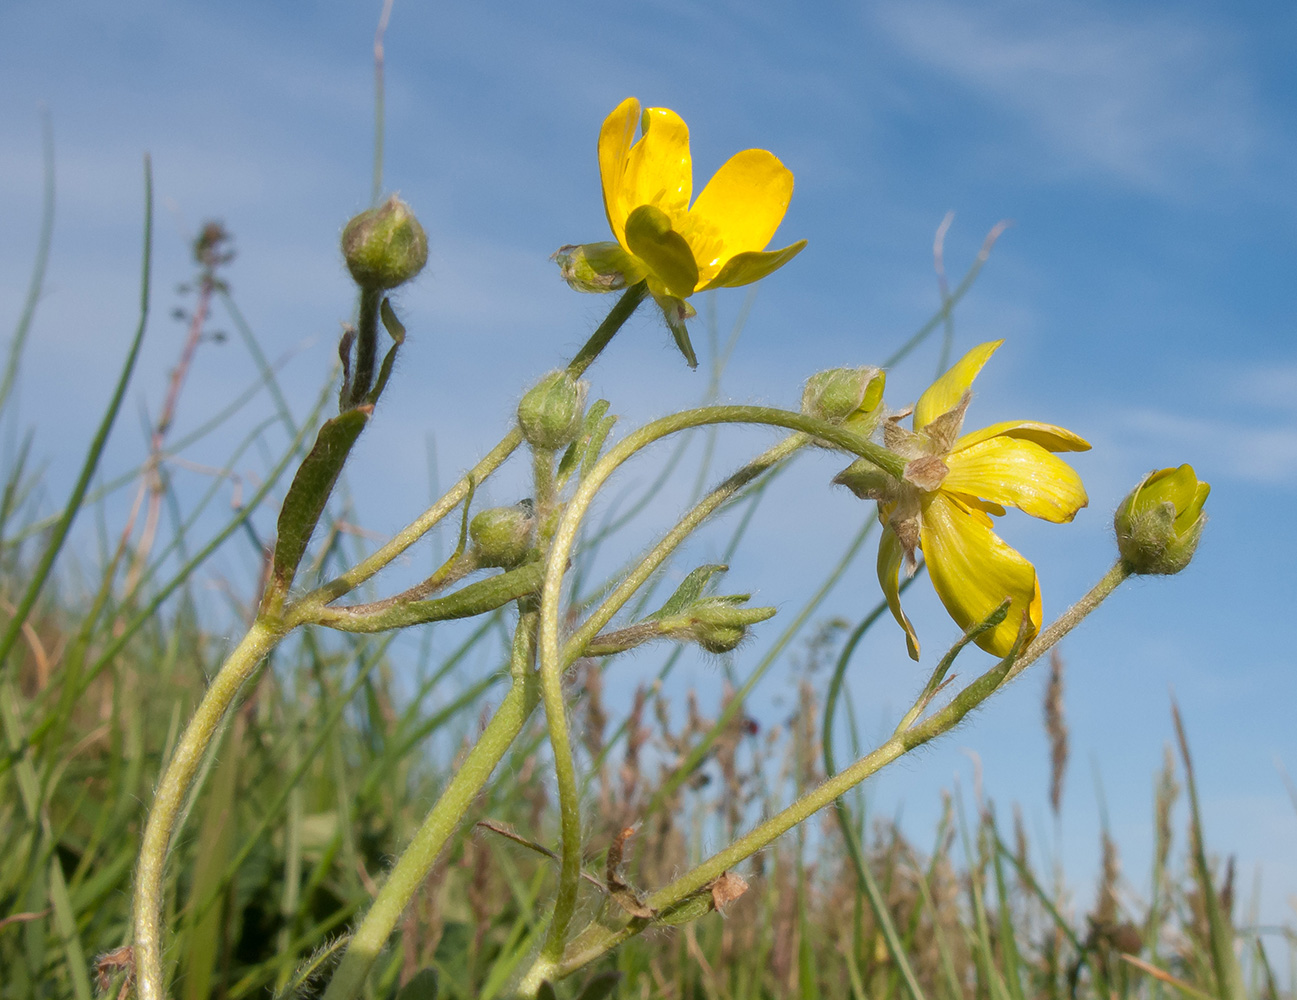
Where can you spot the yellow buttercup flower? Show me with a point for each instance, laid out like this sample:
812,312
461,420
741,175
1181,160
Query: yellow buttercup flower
952,485
717,241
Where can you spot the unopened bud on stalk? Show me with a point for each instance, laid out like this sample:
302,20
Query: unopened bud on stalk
867,480
717,624
503,536
385,246
550,413
847,396
1158,525
597,267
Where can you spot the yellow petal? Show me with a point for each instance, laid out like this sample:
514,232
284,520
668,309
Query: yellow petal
1048,436
1017,473
745,201
659,171
745,268
614,145
973,571
946,392
890,555
650,238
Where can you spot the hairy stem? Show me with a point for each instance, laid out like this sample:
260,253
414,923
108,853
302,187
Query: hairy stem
496,457
166,814
598,939
417,860
554,662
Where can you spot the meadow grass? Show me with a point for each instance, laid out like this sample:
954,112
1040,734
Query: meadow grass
327,767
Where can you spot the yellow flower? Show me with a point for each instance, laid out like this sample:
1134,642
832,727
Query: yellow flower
952,485
718,241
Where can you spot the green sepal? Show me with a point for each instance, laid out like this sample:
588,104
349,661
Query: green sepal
584,451
651,238
675,312
310,491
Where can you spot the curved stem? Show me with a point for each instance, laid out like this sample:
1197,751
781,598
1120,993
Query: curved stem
424,523
167,812
599,939
553,663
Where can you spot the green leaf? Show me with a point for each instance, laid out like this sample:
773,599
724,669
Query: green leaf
310,491
394,327
397,331
689,591
652,239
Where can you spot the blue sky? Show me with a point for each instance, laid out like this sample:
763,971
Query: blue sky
1144,152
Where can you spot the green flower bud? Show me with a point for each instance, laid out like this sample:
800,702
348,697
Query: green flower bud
847,396
717,624
1159,524
385,246
504,536
868,481
550,414
597,267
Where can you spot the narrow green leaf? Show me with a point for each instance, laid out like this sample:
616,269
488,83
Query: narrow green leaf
689,591
310,490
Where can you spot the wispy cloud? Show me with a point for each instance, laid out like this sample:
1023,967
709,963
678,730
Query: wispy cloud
1265,453
1142,98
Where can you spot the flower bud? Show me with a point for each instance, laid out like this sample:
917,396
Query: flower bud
1158,525
550,413
867,480
847,396
385,246
503,536
717,624
597,267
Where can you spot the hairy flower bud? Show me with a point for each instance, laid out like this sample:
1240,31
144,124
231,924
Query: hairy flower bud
717,624
1158,525
550,413
503,536
847,396
385,246
597,267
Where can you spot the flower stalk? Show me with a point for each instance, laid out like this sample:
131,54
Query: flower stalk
597,939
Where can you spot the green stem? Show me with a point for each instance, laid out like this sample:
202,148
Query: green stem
598,939
496,457
416,862
1070,618
707,506
467,602
554,662
166,813
362,377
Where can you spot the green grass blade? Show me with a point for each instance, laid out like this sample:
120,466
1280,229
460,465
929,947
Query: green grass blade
60,531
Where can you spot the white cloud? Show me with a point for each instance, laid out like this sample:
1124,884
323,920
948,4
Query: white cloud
1142,99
